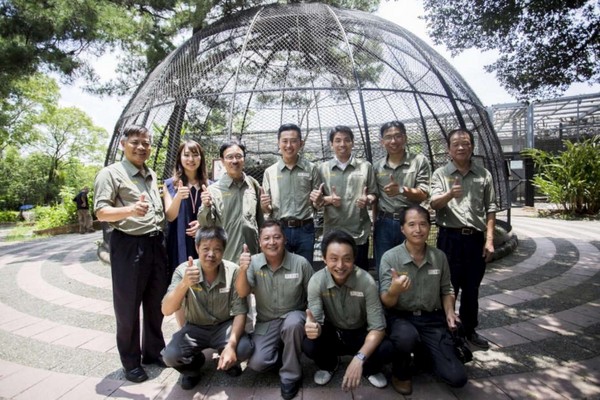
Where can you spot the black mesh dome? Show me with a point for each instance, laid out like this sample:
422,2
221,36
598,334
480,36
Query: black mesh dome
316,66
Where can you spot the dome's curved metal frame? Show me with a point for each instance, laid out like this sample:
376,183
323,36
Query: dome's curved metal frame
316,66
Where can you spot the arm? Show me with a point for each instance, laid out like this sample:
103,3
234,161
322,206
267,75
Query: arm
229,356
114,214
173,299
421,190
448,301
242,286
355,368
171,204
488,249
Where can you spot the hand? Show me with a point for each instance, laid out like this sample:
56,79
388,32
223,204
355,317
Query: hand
140,208
206,197
363,200
452,320
334,199
456,191
192,228
265,201
182,191
227,359
245,258
353,374
400,283
312,328
488,250
392,188
191,276
316,196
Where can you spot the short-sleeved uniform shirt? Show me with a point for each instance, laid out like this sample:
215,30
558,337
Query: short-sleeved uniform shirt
429,282
212,304
354,305
349,185
479,199
120,185
281,291
236,208
290,189
414,172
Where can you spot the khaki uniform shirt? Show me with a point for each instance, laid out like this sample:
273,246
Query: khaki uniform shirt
414,172
349,185
354,305
479,199
120,185
281,291
290,189
236,208
206,304
429,282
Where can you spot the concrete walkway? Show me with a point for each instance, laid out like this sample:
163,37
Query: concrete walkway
540,308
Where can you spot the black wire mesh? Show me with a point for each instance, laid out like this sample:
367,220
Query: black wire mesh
316,66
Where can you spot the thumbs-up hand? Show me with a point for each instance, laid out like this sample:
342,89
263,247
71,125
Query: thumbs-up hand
140,208
265,201
182,191
456,191
191,276
205,197
400,282
311,327
245,258
393,188
334,199
363,200
316,196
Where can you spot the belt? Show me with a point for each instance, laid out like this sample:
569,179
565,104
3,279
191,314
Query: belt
418,313
394,216
151,234
296,223
461,231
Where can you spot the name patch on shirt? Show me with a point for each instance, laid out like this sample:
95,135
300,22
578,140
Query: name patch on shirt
294,275
433,272
356,293
478,180
303,174
224,290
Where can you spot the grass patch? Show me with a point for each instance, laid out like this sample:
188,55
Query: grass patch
21,232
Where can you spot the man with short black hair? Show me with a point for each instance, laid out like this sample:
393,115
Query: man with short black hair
83,211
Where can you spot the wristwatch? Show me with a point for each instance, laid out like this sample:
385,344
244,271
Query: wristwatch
361,356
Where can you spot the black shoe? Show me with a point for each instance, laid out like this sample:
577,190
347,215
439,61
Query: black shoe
478,341
290,390
189,382
156,361
234,371
136,375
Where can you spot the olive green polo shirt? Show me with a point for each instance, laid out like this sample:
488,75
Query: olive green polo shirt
206,304
354,305
281,291
120,185
290,189
478,200
349,185
414,172
429,282
236,208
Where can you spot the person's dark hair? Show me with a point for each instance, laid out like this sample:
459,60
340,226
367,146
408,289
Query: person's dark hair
392,124
135,130
210,233
178,172
289,127
419,209
460,130
337,236
231,143
340,129
272,222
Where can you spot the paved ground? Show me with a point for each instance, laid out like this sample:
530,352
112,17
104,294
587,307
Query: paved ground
540,308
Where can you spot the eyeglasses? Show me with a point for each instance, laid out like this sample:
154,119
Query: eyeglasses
137,143
398,137
231,157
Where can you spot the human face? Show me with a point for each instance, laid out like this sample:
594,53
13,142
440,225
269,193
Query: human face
289,145
339,260
210,254
394,141
342,146
460,148
190,160
137,148
416,228
233,160
272,241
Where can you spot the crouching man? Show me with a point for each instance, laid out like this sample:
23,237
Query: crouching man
214,312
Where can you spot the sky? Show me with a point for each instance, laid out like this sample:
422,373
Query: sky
105,111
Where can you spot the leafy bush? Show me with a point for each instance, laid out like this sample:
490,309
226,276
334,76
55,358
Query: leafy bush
57,215
570,178
8,216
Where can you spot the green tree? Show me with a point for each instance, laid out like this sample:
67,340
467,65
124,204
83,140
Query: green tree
544,45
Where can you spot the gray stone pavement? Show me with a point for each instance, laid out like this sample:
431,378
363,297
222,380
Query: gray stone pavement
540,308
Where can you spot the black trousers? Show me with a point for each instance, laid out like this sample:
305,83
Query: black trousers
139,277
467,267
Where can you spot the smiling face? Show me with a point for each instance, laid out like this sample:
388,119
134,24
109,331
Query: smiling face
339,261
394,141
190,160
460,147
137,148
342,146
210,253
416,227
233,160
290,143
272,242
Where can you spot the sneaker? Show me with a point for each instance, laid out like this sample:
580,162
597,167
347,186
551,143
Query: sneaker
377,380
189,382
478,341
323,377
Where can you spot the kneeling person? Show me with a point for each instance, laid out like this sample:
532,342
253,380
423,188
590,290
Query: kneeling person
214,312
416,290
345,317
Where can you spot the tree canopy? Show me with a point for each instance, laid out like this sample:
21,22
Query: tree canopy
544,45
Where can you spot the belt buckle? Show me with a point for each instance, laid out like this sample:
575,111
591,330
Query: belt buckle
466,231
417,313
291,223
396,216
153,233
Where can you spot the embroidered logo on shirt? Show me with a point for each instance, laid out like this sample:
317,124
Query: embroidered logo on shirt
433,272
294,275
356,293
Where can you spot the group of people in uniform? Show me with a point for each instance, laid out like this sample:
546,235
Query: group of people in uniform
233,238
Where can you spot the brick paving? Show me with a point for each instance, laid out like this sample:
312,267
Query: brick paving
540,309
